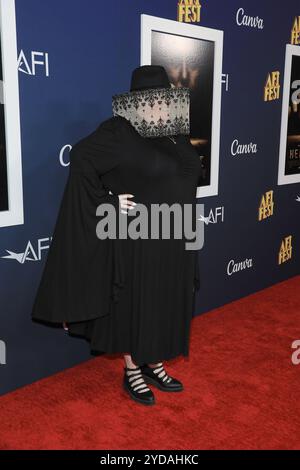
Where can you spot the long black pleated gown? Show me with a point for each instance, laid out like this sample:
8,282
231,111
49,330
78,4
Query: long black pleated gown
132,296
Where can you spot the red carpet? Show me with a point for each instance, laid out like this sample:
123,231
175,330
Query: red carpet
241,390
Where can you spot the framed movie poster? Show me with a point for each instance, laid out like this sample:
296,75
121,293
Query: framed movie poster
289,151
11,190
192,56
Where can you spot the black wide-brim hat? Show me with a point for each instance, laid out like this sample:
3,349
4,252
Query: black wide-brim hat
154,106
149,76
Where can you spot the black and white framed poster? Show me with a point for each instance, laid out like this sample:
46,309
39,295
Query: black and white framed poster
11,189
289,151
192,56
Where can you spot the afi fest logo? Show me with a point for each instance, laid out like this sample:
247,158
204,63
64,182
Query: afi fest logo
272,86
29,254
266,207
36,60
188,11
285,251
295,32
2,352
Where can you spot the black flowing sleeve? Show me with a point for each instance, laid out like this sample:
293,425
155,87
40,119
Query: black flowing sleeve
94,156
82,273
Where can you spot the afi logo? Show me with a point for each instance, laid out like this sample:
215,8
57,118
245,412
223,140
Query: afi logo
29,254
37,59
215,215
225,80
2,352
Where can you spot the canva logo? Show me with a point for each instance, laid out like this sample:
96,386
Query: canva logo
37,60
62,155
242,149
235,267
29,253
2,352
246,20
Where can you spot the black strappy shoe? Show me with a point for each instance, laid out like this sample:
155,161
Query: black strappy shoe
157,376
135,386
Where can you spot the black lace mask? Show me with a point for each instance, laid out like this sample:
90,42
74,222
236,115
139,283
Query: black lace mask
155,112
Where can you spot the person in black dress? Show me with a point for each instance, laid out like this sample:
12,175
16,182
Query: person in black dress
129,295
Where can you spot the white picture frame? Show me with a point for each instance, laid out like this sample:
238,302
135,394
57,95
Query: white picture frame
283,178
152,23
15,213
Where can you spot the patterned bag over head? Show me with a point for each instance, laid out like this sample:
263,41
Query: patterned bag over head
155,112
